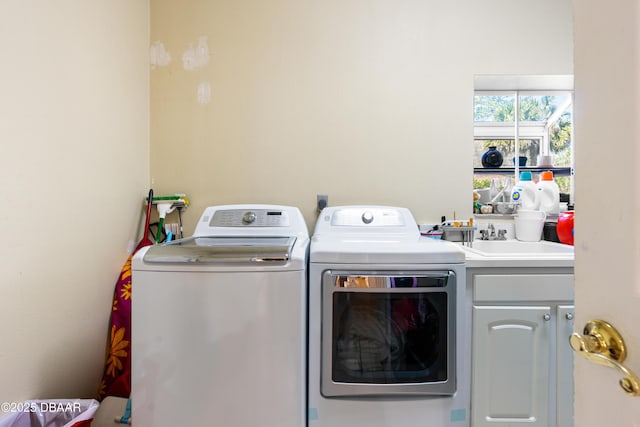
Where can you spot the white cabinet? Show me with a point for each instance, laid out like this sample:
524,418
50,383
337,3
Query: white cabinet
564,359
510,365
521,359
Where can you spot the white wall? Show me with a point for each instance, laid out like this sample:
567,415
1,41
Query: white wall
366,101
75,166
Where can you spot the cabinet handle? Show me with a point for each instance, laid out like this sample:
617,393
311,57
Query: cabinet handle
546,317
601,343
569,316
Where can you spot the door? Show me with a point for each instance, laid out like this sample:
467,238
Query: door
607,233
511,352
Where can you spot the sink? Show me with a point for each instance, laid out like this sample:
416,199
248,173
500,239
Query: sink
516,248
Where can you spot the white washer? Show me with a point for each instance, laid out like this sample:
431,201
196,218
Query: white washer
219,322
388,343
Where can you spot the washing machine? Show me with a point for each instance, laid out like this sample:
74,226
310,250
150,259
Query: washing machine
219,322
388,340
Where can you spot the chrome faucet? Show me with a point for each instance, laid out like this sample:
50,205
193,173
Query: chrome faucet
490,233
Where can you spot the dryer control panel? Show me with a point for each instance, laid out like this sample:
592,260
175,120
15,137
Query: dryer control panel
377,222
371,216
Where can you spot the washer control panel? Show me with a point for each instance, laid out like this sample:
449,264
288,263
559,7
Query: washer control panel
249,218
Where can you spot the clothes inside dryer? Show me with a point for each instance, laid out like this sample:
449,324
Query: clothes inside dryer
389,337
382,339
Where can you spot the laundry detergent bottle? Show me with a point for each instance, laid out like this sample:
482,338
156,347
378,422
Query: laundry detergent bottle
548,194
524,192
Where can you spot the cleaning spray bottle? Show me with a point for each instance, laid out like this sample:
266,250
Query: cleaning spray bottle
524,192
166,205
548,194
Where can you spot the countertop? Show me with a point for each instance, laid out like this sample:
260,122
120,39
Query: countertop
476,260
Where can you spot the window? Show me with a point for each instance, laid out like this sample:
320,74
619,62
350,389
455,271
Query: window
542,131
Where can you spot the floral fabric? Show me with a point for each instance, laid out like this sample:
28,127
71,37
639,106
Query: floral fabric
116,379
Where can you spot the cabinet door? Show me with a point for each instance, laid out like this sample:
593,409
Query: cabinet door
511,352
564,367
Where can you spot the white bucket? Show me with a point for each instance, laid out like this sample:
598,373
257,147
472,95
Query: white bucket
529,225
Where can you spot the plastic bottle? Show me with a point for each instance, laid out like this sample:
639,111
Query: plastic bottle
564,228
548,194
494,189
524,192
507,188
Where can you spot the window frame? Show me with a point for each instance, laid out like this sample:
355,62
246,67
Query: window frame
526,130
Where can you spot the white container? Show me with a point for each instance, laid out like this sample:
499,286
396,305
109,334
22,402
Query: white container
548,194
531,214
529,225
545,161
524,192
484,196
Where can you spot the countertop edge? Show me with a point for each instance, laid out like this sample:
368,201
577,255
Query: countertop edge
488,262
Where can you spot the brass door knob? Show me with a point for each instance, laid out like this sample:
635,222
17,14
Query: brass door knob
601,343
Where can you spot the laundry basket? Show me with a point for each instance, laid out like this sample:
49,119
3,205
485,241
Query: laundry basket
49,413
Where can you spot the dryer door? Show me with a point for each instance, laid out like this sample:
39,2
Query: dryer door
388,333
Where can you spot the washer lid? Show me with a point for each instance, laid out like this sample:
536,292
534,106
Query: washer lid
224,249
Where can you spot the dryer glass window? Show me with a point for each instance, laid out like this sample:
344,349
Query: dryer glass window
389,330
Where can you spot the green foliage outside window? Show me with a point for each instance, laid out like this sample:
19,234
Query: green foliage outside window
491,109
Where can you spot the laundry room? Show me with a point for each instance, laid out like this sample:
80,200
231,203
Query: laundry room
229,102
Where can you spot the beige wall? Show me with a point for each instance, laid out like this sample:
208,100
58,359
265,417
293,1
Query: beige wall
75,166
369,102
366,101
